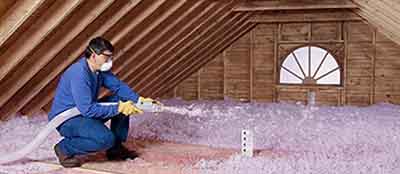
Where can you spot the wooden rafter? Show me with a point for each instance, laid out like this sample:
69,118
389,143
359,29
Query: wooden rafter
159,61
133,38
239,31
105,22
57,13
42,56
161,37
210,42
14,18
193,38
383,15
183,55
147,9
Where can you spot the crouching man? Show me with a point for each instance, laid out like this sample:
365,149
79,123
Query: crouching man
79,87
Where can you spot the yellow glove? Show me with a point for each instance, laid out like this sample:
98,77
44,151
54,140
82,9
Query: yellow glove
128,108
148,100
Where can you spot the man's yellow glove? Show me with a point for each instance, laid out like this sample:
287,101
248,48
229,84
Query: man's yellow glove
128,108
148,100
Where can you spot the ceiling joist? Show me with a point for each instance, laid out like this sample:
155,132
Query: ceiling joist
189,57
280,5
382,14
148,64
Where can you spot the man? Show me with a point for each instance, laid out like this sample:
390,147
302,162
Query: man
79,87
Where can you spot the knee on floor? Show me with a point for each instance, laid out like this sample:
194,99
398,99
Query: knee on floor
106,140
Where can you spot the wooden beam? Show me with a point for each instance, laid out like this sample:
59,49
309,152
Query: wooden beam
101,25
202,33
106,24
19,51
155,57
373,65
175,88
312,42
199,84
5,6
239,32
197,55
345,61
166,57
293,5
132,20
162,38
306,16
251,67
136,38
384,15
224,78
14,18
193,45
277,37
45,53
138,9
44,97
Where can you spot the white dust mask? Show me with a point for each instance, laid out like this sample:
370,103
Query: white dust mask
106,66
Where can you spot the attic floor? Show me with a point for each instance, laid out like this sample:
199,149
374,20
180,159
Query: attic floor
155,157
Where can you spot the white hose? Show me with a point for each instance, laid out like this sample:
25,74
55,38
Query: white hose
53,124
39,139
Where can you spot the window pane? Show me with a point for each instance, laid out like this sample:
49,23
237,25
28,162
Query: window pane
331,79
317,54
290,63
302,56
328,65
287,77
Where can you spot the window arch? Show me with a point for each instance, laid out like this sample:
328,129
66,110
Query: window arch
310,65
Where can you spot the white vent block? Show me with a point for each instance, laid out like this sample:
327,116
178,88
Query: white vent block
247,143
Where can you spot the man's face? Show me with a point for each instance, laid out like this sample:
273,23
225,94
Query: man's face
102,58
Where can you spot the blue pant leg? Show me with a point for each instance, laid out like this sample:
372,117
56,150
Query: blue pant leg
84,135
119,123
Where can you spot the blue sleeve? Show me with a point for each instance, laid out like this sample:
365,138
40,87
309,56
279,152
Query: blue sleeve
119,88
81,92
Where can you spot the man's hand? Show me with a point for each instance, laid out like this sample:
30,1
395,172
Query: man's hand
148,100
128,108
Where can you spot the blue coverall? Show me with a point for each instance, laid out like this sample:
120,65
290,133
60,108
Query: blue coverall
79,87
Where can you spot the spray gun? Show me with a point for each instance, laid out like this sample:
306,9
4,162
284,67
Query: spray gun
150,106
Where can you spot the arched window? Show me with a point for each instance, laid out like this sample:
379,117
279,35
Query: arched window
310,65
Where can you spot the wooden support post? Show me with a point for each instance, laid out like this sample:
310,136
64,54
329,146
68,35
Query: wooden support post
309,48
345,61
175,89
373,65
224,71
310,31
251,67
277,38
199,84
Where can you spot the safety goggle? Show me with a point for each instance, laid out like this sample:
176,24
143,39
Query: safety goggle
109,56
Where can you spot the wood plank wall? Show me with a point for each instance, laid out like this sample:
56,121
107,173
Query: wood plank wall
248,70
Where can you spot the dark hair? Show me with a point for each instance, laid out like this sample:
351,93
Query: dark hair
98,45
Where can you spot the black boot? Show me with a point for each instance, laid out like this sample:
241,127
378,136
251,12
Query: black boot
64,160
120,152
